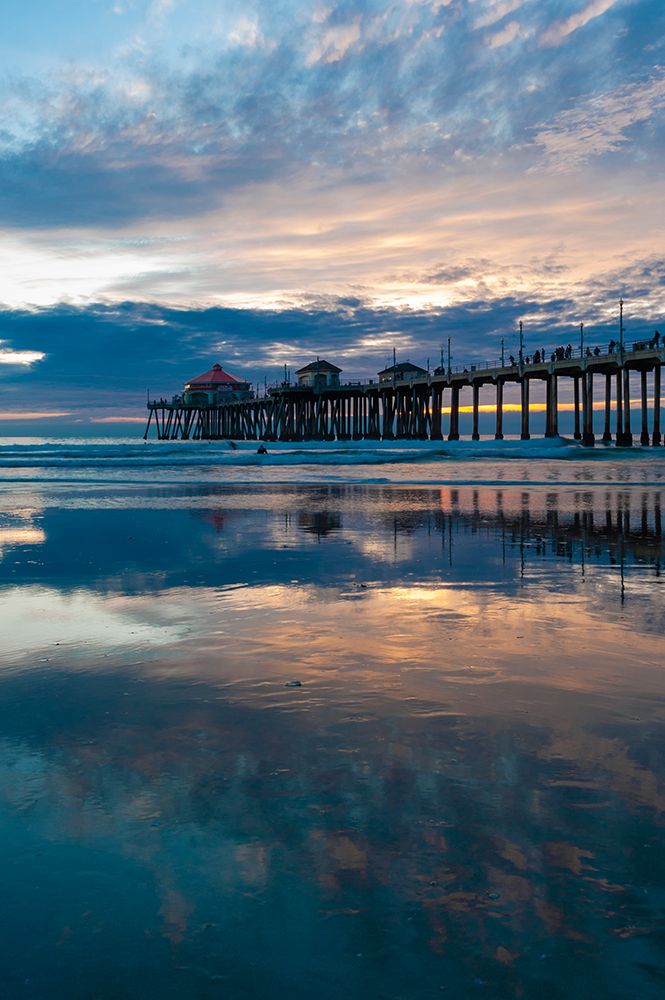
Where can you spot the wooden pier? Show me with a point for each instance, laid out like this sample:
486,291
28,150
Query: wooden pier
414,408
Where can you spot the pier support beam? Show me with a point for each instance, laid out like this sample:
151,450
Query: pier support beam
498,436
607,429
454,413
475,436
588,437
552,415
645,440
576,392
524,399
619,437
656,406
437,403
627,433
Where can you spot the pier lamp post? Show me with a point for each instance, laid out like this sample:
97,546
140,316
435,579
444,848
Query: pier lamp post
503,360
621,325
581,340
449,369
521,344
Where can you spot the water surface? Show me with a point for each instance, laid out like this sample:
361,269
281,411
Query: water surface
463,795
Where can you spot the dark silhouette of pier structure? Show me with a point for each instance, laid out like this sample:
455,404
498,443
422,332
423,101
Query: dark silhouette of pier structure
413,408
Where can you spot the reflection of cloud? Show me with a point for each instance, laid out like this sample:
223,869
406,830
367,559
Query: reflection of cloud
38,618
10,357
17,535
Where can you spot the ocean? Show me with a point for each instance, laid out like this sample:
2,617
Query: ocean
338,721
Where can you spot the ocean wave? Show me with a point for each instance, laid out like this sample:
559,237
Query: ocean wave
192,454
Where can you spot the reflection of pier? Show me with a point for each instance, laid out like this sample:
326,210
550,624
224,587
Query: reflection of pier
413,408
614,526
599,523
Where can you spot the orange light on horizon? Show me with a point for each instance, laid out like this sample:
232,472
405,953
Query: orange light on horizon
34,415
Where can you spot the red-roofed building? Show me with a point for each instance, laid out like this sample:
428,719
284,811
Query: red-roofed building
215,386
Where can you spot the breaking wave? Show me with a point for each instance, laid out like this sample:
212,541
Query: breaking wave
126,460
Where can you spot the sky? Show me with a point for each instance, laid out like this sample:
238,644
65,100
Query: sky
258,183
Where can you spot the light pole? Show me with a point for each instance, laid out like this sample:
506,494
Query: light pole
503,360
448,356
621,325
521,344
581,340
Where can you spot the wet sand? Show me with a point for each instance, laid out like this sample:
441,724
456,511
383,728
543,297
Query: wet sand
463,796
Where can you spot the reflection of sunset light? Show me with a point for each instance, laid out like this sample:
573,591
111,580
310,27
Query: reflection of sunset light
37,618
21,536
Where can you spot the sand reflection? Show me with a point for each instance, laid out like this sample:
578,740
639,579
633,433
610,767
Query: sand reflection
465,791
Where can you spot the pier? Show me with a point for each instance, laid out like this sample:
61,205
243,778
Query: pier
413,406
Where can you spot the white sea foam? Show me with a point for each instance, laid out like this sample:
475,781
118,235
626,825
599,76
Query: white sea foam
132,460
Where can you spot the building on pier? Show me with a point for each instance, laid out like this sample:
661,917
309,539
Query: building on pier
319,375
401,372
214,388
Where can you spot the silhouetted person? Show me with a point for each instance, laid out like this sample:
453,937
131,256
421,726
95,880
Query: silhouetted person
611,346
596,352
656,338
261,450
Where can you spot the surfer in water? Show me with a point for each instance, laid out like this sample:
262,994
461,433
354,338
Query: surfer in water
261,450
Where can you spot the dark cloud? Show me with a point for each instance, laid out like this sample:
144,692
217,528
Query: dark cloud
104,357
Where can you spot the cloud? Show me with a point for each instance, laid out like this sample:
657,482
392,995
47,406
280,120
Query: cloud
560,30
101,358
496,11
362,90
508,34
599,124
334,43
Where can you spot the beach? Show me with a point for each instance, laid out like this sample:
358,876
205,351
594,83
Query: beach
338,721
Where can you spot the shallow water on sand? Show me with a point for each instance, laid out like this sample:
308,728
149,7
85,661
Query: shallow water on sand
463,795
